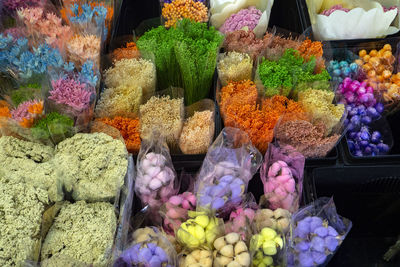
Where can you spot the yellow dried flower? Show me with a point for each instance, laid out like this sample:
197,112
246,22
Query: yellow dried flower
318,103
234,66
163,114
119,101
21,213
81,232
197,133
132,72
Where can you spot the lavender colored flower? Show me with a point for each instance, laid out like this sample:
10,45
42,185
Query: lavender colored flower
72,93
143,254
248,17
331,243
13,5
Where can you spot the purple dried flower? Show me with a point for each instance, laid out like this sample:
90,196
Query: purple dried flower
13,5
248,17
71,93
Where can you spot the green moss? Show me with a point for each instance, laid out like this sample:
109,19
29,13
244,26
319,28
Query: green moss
54,124
25,93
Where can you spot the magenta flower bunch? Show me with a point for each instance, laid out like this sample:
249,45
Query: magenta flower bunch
71,92
13,5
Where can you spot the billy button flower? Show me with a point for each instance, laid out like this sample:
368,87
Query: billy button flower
175,10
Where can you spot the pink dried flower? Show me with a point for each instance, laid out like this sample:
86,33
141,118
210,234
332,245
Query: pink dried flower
46,25
71,93
333,9
248,17
22,111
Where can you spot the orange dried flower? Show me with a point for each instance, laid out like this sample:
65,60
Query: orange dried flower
180,9
130,51
129,129
4,111
309,49
36,108
238,104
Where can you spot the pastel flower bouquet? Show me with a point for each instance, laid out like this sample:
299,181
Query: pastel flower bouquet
335,20
229,16
229,165
282,176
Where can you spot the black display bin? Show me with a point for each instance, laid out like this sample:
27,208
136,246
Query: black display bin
306,27
370,198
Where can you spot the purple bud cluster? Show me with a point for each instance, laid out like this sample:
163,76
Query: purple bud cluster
355,92
224,190
313,241
141,254
170,1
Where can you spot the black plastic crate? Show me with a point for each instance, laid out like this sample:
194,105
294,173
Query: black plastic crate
370,198
392,158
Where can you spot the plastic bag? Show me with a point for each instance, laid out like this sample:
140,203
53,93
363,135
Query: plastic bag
229,165
231,250
164,113
316,233
234,66
221,11
268,247
241,219
282,176
156,179
279,219
335,20
198,129
199,231
71,95
156,250
310,139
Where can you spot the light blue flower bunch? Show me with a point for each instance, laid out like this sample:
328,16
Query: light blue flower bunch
88,14
88,73
15,55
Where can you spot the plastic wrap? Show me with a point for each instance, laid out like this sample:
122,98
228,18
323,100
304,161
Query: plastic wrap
221,10
199,231
199,128
354,19
269,247
234,66
229,165
316,233
278,219
156,179
231,250
282,176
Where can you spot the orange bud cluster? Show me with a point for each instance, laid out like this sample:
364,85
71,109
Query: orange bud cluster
180,9
378,65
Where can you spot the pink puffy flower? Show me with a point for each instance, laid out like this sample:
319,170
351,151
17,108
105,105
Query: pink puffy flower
248,17
176,210
239,220
280,187
72,93
333,9
23,110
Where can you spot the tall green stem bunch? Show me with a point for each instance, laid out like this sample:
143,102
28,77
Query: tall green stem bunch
185,56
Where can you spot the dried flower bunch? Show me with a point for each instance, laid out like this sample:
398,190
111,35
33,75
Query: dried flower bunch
22,208
175,10
129,129
318,103
140,72
163,114
54,126
129,51
279,77
71,92
14,5
244,42
247,18
30,163
81,232
92,166
126,83
81,48
185,56
310,140
197,133
4,110
27,112
239,108
46,25
234,67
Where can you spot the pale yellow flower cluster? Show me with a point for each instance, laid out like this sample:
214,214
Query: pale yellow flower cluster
234,66
319,104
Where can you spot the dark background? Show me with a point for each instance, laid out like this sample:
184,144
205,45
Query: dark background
284,14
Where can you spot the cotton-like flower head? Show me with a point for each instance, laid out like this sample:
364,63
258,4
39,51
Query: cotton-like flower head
71,92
